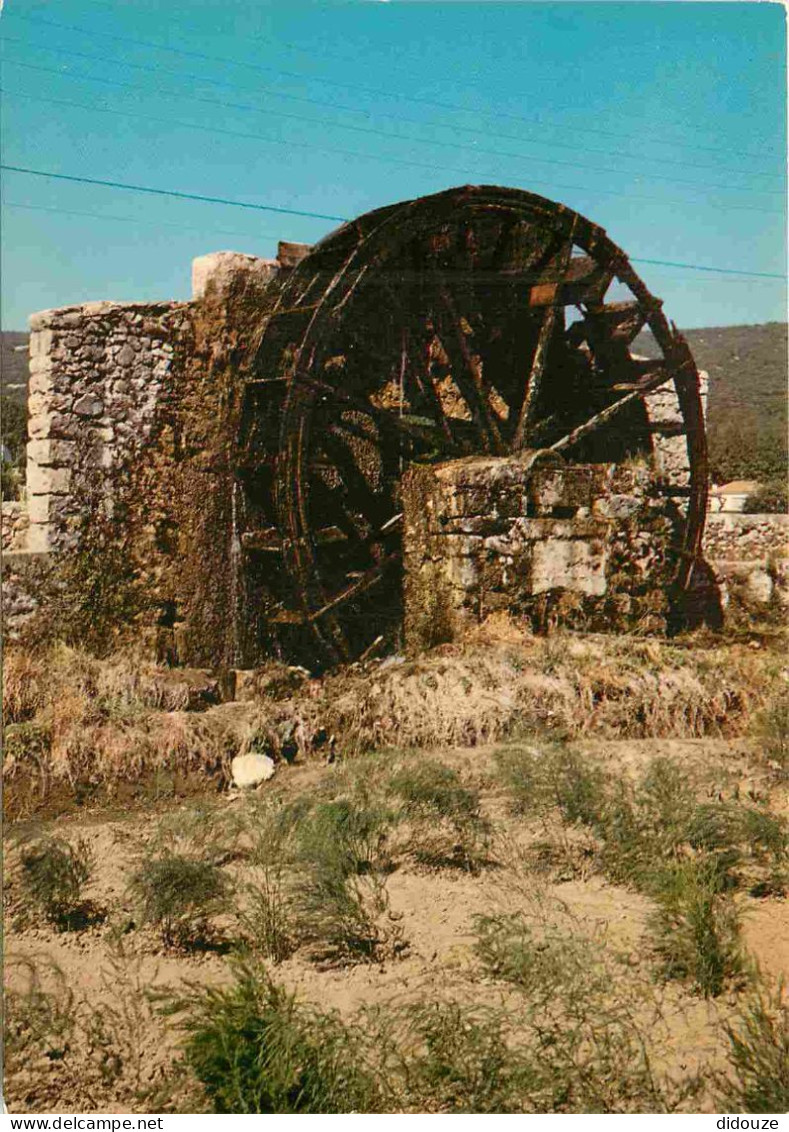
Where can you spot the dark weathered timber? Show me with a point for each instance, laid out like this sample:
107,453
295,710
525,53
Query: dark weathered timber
470,321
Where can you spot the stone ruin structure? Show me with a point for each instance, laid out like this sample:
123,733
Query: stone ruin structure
435,414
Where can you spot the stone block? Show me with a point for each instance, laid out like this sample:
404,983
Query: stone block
40,343
43,480
46,425
221,270
52,452
572,564
39,540
38,510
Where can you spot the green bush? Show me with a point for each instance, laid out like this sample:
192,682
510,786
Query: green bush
698,928
769,498
257,1050
177,894
267,918
340,896
759,1056
53,874
772,729
449,826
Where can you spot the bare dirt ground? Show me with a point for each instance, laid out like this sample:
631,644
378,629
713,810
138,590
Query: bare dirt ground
93,1041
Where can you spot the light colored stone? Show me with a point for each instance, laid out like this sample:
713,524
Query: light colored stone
38,509
221,269
51,451
250,770
44,480
758,587
570,563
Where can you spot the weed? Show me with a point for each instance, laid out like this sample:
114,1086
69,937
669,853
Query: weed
177,895
759,1055
449,826
341,896
772,729
36,1020
257,1050
542,963
266,919
53,874
463,1062
698,927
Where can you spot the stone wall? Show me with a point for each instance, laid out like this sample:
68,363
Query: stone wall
133,420
737,537
669,443
15,524
585,545
96,374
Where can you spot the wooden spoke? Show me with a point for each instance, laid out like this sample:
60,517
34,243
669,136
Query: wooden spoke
521,438
607,414
467,375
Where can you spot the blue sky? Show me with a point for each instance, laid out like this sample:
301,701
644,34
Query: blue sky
662,122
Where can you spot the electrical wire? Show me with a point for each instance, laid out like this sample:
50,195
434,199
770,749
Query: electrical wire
92,32
318,102
295,212
397,137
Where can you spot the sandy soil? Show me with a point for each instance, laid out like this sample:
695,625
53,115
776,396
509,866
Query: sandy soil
111,963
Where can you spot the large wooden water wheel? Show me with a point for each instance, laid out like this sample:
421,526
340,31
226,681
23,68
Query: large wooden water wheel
478,320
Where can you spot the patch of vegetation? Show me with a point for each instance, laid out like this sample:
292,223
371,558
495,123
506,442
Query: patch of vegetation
759,1055
541,960
771,498
341,899
464,1063
13,434
53,873
266,920
687,855
257,1050
772,730
449,828
698,928
177,895
36,1020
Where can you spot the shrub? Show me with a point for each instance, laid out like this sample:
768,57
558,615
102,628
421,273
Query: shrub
769,498
177,895
772,729
53,874
450,828
464,1063
759,1056
36,1020
257,1050
698,927
266,919
341,897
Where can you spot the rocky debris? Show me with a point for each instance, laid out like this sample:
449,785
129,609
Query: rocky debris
248,771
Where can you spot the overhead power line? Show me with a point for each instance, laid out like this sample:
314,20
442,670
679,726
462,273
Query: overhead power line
575,147
169,193
145,223
387,159
367,130
454,107
323,216
756,277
